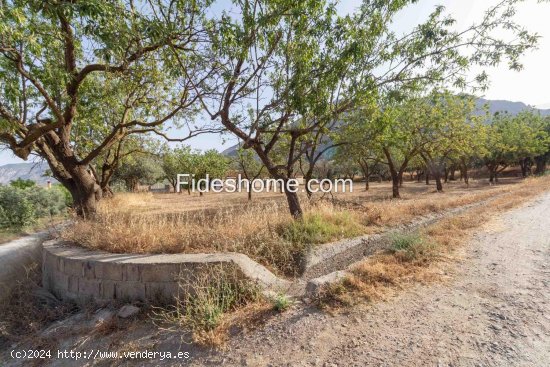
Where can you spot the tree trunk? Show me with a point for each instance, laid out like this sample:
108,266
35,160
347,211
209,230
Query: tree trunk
294,204
438,183
85,192
427,177
307,179
464,173
540,162
395,185
107,192
249,195
452,176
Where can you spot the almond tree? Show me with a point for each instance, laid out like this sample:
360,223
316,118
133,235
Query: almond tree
285,69
60,62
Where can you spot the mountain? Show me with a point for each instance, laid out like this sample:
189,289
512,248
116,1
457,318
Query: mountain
27,171
508,106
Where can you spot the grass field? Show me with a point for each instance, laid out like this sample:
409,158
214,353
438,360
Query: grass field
263,229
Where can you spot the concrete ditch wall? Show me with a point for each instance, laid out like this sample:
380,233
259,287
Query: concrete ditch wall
72,272
18,255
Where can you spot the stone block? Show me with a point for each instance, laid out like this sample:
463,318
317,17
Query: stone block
89,287
134,291
131,272
88,268
72,267
159,272
108,289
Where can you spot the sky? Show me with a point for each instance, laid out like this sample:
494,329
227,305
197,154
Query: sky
531,85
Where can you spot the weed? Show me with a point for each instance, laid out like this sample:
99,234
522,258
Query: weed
205,298
281,302
412,247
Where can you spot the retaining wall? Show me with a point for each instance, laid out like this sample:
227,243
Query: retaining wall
72,272
18,255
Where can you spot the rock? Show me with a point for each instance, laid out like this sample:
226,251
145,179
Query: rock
127,311
103,315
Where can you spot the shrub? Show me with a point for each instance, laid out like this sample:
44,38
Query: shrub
16,211
206,298
21,207
46,202
281,302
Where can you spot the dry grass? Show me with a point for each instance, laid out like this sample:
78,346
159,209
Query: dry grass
263,229
414,258
210,303
24,310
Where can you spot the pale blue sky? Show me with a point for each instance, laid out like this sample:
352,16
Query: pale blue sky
530,86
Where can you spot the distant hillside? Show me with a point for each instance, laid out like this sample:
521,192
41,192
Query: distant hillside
508,106
27,171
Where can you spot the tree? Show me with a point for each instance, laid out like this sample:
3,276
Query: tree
78,77
138,169
511,139
247,163
22,184
448,133
286,69
210,163
177,161
542,160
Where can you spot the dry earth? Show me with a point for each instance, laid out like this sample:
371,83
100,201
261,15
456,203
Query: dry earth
494,311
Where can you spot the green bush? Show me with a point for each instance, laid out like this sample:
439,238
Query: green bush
20,207
16,210
22,184
46,202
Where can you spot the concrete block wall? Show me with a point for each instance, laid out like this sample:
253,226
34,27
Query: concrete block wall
72,272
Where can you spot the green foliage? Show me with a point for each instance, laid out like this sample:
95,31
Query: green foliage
510,138
21,207
316,227
411,247
22,183
194,162
138,169
212,292
47,202
281,302
16,210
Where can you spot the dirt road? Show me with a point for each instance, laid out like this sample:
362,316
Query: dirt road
493,311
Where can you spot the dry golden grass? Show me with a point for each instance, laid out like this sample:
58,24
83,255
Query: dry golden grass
263,229
417,261
23,314
214,301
